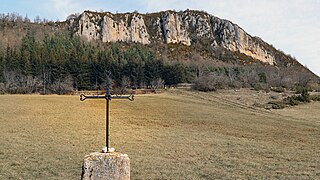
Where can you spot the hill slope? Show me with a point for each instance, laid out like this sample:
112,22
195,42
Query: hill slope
140,50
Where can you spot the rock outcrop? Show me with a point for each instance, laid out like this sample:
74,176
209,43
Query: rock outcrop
95,26
233,38
129,29
171,27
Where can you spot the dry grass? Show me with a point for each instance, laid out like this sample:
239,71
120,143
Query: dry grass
175,135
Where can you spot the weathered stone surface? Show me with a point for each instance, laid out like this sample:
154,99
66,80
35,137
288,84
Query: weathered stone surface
88,26
170,27
122,30
94,26
106,166
233,38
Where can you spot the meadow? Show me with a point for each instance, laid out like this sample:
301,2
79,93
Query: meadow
178,134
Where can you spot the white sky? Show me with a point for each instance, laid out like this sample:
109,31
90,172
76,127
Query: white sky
290,25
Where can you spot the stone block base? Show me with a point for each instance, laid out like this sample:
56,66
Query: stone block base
108,166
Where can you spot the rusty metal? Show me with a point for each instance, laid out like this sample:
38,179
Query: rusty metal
108,97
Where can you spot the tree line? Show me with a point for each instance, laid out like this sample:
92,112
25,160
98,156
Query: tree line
14,19
60,63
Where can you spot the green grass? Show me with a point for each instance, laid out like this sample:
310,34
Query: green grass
174,135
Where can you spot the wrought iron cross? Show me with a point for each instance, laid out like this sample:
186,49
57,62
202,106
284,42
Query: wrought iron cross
108,98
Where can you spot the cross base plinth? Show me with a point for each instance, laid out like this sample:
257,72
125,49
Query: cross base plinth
111,165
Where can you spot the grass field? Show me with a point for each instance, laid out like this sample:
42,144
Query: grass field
175,135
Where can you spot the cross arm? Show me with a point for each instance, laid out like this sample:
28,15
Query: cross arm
130,97
84,97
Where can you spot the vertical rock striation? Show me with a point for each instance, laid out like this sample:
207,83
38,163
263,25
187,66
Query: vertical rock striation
171,27
129,29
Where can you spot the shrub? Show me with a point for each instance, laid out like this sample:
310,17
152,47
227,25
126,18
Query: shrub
277,104
235,85
262,77
211,82
63,86
304,94
315,97
292,101
204,84
261,86
278,89
299,89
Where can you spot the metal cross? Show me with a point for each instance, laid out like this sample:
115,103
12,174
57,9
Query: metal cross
108,98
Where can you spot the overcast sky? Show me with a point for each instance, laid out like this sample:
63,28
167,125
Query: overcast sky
290,25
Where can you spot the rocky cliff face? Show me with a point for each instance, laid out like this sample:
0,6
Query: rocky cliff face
94,26
169,27
174,29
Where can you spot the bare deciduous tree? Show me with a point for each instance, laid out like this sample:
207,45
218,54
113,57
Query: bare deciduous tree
157,84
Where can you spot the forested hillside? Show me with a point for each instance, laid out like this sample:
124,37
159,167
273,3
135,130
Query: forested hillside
46,57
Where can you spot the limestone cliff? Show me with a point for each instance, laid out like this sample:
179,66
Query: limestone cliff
170,27
105,27
174,29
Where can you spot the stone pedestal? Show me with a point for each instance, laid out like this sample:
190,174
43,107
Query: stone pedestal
107,166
